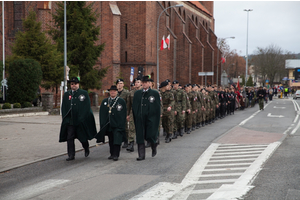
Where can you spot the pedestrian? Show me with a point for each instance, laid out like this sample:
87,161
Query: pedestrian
146,115
112,117
180,107
261,95
124,94
270,94
77,119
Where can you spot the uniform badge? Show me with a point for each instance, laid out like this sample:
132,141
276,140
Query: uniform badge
105,103
151,99
70,97
119,107
81,97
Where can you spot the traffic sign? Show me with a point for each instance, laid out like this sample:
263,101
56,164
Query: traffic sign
205,73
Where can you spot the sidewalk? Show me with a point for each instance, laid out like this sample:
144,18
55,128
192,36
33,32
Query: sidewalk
29,139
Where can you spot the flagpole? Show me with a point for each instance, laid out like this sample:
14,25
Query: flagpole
157,42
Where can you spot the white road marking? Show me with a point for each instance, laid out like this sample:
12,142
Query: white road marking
279,107
270,115
38,188
215,170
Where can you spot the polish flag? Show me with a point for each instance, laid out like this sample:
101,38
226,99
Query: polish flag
163,44
238,84
168,41
223,60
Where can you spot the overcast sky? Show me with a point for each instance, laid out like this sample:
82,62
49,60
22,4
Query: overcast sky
270,22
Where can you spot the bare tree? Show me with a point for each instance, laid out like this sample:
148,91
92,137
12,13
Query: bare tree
270,62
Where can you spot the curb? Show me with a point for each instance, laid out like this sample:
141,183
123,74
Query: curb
43,159
24,114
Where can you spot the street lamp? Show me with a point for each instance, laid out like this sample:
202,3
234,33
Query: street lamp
3,45
223,39
246,77
157,41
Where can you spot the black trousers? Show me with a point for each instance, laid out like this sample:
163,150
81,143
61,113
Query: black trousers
71,131
114,149
232,106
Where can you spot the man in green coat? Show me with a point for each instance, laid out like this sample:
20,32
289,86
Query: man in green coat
112,116
146,115
77,119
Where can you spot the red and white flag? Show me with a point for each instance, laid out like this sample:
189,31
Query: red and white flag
223,60
168,41
163,44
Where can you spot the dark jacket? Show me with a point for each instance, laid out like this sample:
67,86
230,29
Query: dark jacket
76,111
114,121
146,109
261,93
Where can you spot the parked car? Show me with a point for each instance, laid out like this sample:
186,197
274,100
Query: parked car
296,95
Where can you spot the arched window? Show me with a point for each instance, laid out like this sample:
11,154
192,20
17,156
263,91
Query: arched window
206,25
179,11
192,17
184,15
203,24
196,21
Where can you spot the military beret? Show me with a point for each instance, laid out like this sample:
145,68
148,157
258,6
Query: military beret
132,84
119,80
151,80
168,80
175,82
163,84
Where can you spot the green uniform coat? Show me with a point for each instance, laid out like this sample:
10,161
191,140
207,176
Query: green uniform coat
76,111
146,113
114,121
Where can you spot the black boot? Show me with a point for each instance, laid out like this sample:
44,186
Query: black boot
141,152
168,138
130,147
181,132
174,135
148,145
188,131
164,133
193,127
125,145
206,122
154,150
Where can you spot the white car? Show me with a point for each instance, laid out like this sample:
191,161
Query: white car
297,94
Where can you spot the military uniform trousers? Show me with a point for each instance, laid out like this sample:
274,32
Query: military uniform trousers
131,129
204,115
189,120
167,121
261,103
194,118
179,120
71,131
199,116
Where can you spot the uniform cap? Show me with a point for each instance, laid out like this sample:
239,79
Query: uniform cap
175,82
163,84
119,80
74,79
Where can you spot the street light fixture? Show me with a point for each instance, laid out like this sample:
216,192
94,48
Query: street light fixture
157,41
246,77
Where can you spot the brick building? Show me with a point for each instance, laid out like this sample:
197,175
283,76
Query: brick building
129,31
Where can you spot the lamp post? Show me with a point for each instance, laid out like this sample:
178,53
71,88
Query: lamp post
246,77
65,46
3,37
157,41
219,46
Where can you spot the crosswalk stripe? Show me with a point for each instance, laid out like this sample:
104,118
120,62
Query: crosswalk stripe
238,156
232,160
227,164
238,153
216,175
225,169
234,150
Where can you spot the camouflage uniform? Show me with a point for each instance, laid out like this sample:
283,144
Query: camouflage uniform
205,109
195,105
124,94
180,105
189,122
200,111
212,96
188,106
208,111
167,118
131,129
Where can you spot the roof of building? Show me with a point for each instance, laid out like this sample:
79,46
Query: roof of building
200,6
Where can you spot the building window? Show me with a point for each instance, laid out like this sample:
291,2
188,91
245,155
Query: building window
179,11
184,15
125,56
196,21
164,4
192,17
125,31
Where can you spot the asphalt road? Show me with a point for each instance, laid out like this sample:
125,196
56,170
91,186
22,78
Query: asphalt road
236,157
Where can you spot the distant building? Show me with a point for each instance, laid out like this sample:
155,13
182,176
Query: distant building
293,66
129,31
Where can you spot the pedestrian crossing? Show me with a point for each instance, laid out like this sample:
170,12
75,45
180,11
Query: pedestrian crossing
223,171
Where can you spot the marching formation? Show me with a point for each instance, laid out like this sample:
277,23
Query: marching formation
137,115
